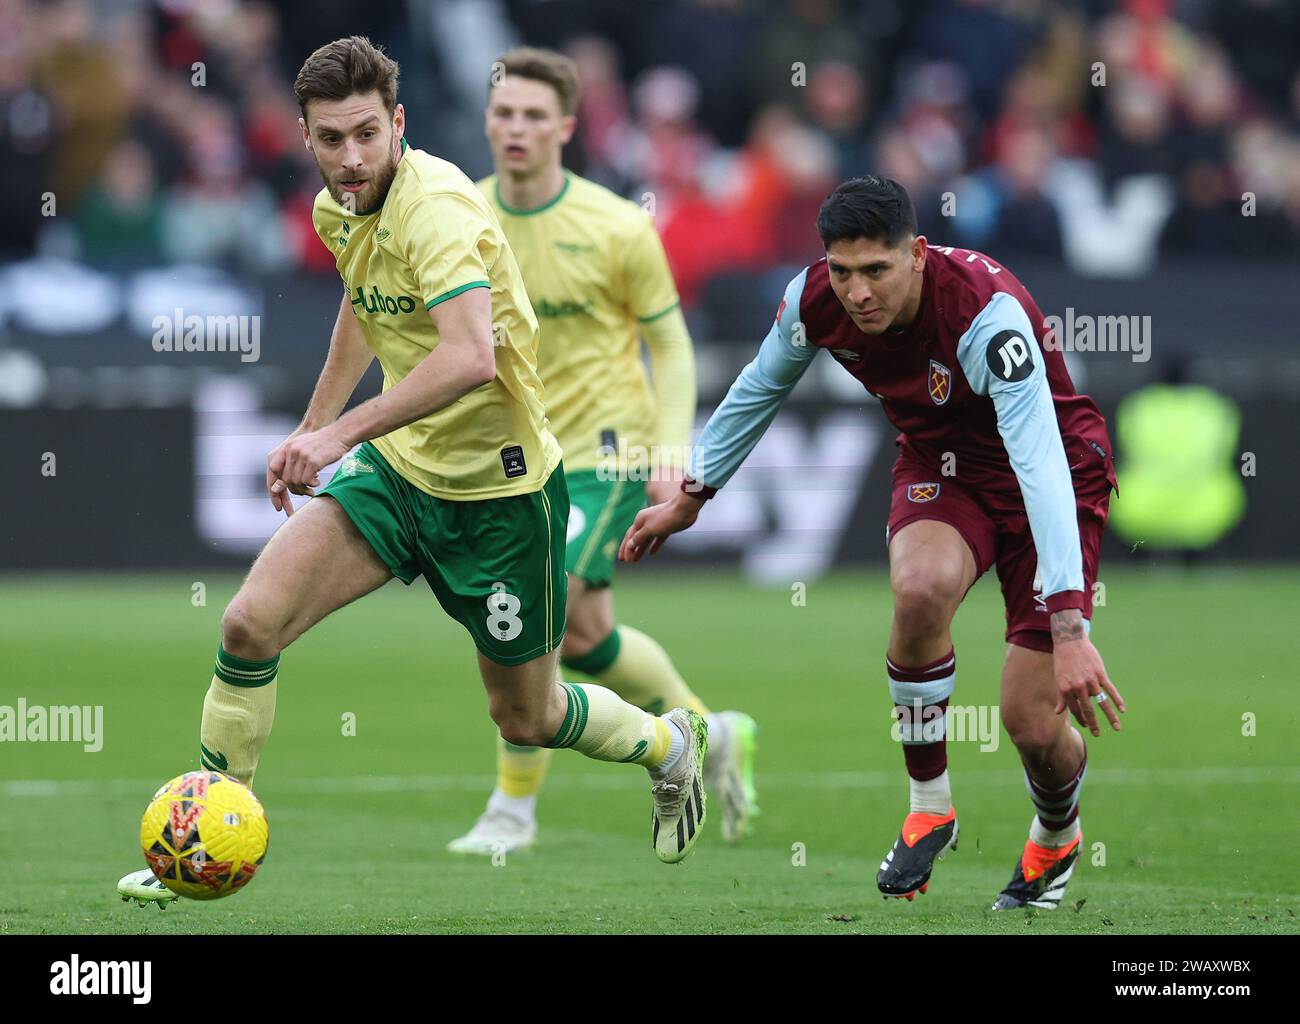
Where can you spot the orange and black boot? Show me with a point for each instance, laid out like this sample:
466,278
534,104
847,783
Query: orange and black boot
905,871
1040,876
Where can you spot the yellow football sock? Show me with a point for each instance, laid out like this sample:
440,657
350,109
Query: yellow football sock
639,670
521,770
237,715
605,727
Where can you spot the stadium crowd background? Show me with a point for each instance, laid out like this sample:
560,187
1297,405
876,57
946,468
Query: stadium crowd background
738,116
1136,161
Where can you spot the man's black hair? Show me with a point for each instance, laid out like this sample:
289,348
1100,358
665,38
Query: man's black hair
878,209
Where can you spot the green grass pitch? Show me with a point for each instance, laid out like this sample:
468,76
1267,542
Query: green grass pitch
1189,825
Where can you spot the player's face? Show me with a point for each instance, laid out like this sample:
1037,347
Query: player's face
879,286
525,126
356,144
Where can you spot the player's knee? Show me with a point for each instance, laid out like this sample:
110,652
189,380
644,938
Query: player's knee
924,599
1034,735
247,634
521,734
575,645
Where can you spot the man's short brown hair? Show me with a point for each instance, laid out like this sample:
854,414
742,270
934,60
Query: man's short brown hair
547,66
345,68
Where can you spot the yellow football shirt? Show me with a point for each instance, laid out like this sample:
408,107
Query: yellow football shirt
596,272
433,238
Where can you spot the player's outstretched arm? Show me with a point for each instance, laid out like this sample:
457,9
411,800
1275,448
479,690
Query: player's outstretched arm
1001,358
348,359
462,361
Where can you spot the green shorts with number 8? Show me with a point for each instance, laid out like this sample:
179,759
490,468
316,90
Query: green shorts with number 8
496,565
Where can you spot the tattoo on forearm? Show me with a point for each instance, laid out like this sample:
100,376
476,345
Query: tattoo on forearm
1067,625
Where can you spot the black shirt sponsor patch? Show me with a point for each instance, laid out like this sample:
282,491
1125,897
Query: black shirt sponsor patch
1010,356
512,459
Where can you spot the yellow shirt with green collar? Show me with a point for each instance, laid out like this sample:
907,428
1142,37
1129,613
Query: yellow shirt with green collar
434,237
598,279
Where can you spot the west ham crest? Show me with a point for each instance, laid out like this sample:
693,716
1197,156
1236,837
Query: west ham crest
919,494
940,383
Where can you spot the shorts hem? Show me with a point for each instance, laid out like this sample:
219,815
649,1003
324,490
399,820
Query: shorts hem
982,564
519,659
1031,638
364,529
1036,638
592,584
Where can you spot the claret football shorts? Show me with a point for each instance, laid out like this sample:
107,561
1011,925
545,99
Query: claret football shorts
989,513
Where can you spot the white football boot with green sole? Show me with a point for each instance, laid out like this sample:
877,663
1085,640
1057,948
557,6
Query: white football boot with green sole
144,888
679,798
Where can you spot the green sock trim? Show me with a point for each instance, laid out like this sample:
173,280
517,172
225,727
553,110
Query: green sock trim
575,717
599,658
238,671
567,724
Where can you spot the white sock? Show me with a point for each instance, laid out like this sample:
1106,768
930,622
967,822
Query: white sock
933,796
719,731
1052,840
522,807
676,748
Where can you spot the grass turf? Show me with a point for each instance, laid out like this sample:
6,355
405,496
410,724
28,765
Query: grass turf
1196,820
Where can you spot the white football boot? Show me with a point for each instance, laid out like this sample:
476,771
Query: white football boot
495,832
144,888
679,798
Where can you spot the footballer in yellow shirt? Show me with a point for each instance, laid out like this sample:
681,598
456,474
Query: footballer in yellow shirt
599,281
457,476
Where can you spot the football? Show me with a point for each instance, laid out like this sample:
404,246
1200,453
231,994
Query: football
204,835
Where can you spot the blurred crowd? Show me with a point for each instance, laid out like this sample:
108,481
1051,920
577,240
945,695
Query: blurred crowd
1109,134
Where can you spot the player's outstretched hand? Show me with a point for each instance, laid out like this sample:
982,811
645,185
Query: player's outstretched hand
656,524
295,465
1081,675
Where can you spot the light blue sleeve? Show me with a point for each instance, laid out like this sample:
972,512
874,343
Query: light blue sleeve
1001,359
755,396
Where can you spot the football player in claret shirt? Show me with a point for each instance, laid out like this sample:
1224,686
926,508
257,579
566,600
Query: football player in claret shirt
599,282
999,462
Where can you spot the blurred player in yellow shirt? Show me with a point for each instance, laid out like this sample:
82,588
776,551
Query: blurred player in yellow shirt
597,277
